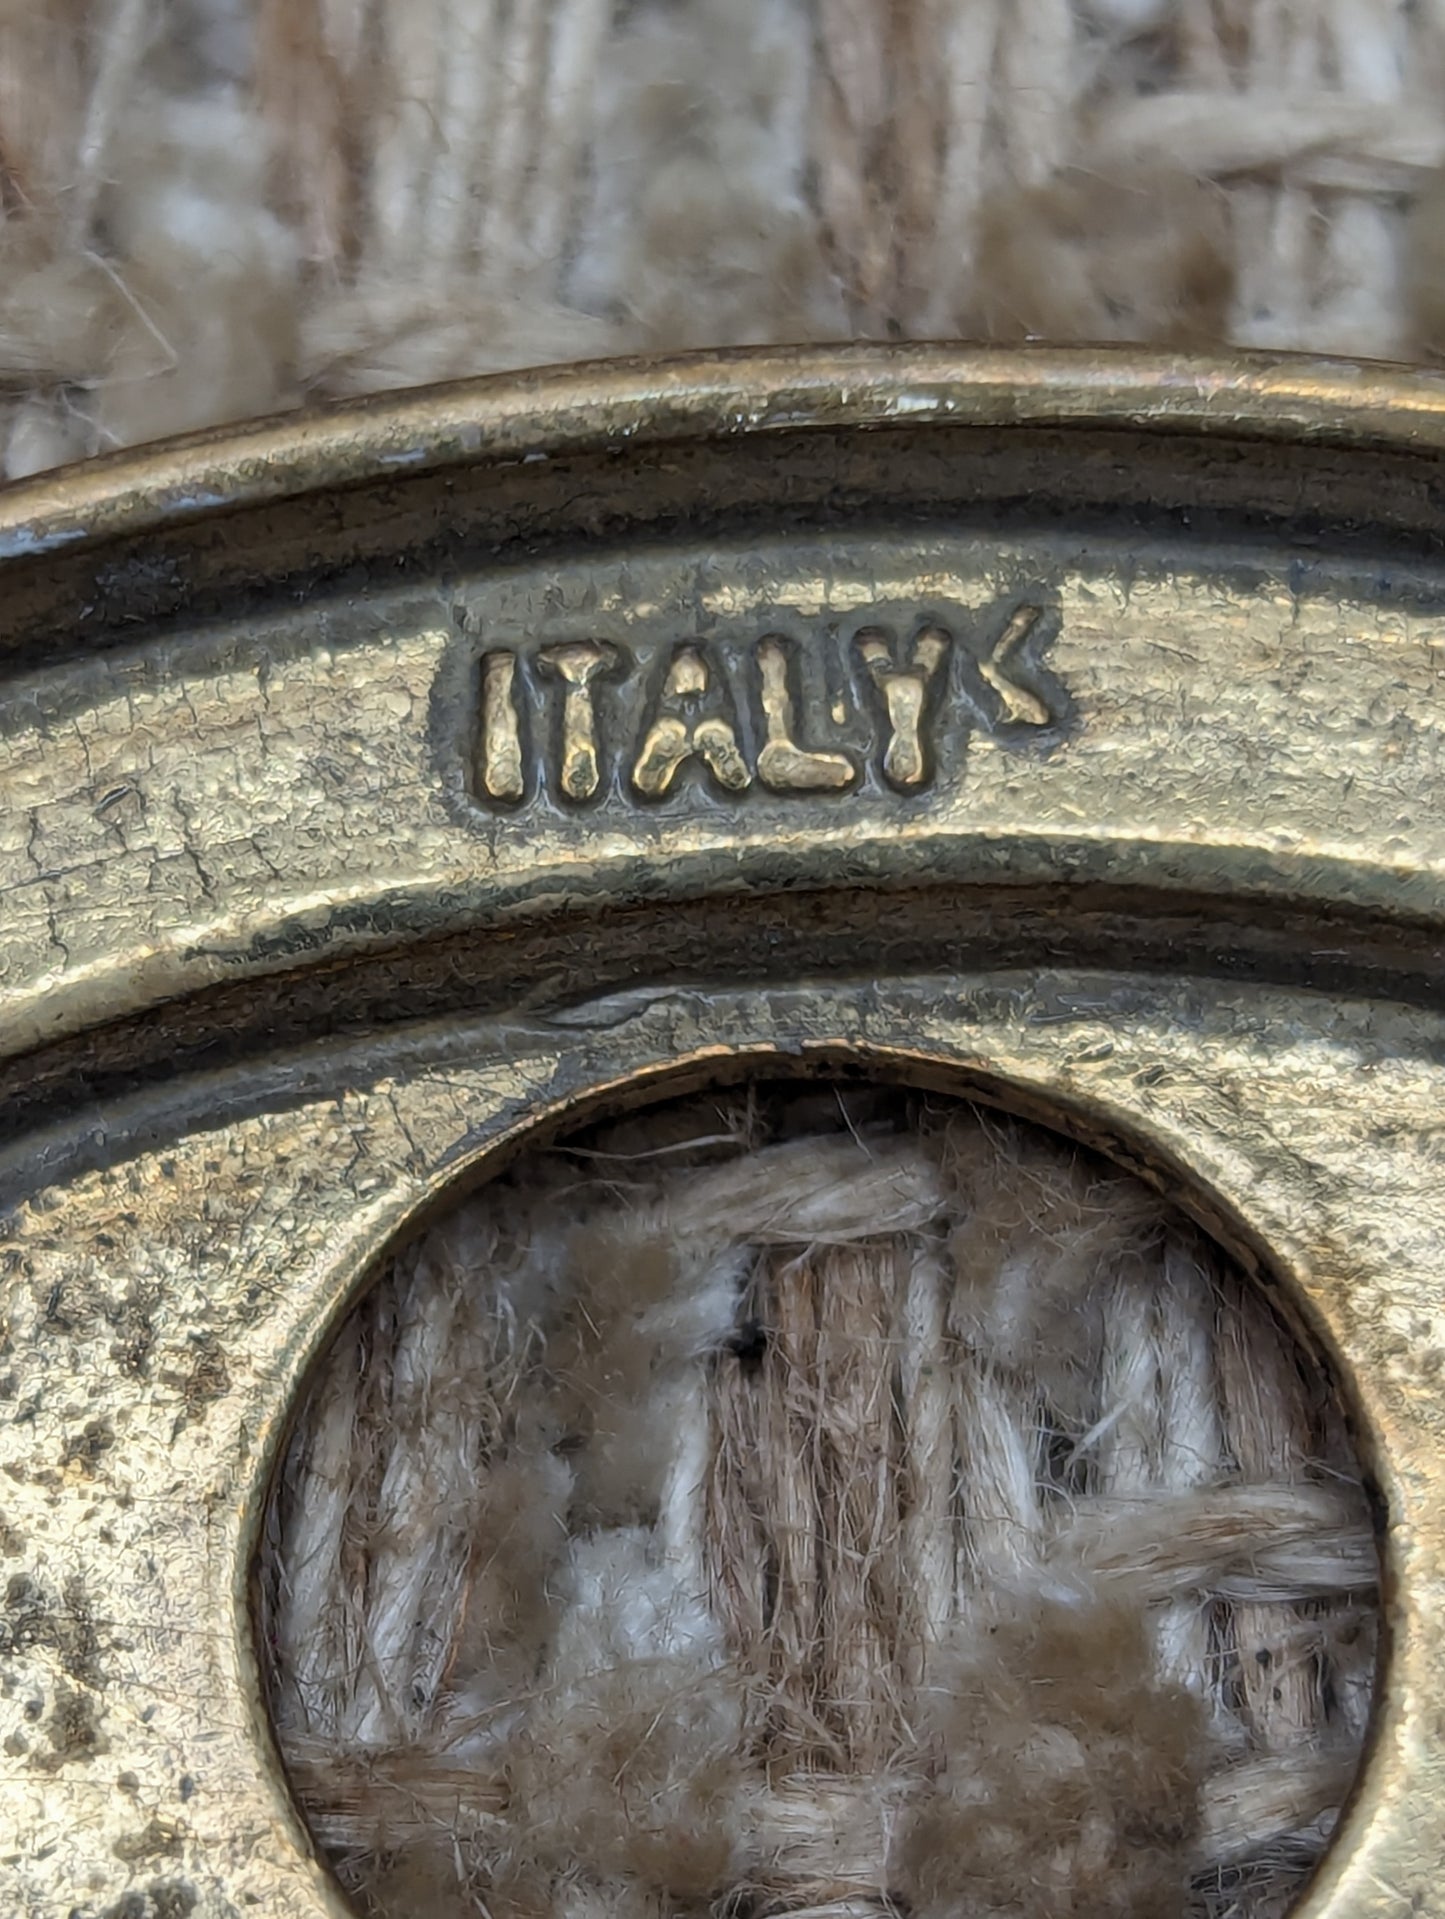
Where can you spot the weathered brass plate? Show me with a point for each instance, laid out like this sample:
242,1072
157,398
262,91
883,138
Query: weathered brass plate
379,788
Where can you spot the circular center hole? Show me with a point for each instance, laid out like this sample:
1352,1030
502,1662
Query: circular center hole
818,1499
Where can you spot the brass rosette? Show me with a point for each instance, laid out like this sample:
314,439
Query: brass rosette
379,787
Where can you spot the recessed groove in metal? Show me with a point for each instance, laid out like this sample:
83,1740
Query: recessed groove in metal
378,788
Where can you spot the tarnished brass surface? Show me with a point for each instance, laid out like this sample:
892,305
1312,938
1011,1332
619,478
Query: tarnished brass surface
379,788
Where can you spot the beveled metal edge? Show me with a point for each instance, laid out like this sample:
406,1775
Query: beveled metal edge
621,403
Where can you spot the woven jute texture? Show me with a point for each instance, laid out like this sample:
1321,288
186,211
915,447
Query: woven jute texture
214,208
809,1501
789,1503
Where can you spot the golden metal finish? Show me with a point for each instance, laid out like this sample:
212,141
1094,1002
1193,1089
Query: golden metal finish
378,788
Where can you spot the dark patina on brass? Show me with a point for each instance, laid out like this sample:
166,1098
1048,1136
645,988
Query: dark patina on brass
381,786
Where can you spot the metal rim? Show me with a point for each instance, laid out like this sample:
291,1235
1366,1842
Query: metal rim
722,395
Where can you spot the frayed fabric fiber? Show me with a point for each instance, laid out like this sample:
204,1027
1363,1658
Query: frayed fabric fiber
808,1501
797,1500
217,208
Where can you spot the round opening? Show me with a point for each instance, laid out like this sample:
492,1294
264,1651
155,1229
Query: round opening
818,1498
